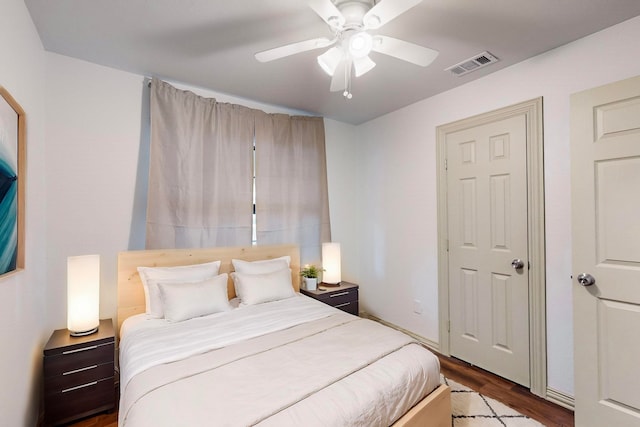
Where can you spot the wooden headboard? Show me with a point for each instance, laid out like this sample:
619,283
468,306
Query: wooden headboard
130,291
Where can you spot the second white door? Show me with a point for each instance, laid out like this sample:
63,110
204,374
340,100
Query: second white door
488,248
605,187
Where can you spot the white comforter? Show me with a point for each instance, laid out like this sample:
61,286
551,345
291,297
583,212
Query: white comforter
293,362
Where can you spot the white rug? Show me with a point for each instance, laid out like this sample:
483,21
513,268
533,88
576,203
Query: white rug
471,409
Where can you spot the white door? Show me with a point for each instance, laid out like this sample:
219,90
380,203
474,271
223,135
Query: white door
487,221
605,174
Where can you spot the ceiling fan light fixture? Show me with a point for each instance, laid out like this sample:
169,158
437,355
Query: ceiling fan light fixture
360,44
363,65
329,60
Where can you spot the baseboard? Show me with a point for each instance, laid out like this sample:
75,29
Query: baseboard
560,398
431,345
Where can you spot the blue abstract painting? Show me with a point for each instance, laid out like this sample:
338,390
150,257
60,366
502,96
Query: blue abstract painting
8,187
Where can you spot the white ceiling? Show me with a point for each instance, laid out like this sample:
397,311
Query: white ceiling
211,43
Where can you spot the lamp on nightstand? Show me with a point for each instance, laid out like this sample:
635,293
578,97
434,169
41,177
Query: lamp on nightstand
331,264
83,294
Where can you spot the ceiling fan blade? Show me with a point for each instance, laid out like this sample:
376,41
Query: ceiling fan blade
328,12
406,51
363,65
339,80
292,49
385,11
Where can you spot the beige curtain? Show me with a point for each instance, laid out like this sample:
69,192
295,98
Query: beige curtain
292,203
200,176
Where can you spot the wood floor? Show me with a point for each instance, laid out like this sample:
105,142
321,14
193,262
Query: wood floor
511,394
102,420
507,392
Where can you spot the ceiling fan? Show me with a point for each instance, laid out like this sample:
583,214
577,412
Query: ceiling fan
350,22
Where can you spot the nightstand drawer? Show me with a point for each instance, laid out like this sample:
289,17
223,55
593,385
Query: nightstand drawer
341,297
350,307
77,377
82,357
75,403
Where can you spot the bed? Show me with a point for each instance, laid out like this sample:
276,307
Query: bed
285,361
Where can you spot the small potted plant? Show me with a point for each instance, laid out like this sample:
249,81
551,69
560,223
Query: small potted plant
310,275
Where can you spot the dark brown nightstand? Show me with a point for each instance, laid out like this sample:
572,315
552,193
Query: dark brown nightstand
344,297
79,374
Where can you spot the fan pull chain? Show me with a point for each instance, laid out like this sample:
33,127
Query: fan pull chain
347,77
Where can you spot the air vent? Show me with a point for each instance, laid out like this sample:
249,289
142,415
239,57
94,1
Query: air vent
474,63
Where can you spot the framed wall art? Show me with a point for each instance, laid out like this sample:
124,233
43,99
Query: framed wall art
12,184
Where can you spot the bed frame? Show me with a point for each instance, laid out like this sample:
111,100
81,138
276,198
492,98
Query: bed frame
432,411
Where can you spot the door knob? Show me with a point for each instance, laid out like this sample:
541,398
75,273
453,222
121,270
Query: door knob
517,264
585,279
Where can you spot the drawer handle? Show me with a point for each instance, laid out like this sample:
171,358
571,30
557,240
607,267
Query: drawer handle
80,370
66,390
339,294
93,347
342,305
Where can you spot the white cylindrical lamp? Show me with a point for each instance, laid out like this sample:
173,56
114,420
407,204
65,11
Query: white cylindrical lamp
331,263
83,294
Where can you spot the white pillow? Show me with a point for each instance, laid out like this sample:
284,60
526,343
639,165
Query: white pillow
258,288
183,301
151,276
261,267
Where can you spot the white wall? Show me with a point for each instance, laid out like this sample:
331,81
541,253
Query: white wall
342,168
398,245
23,296
93,132
97,165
